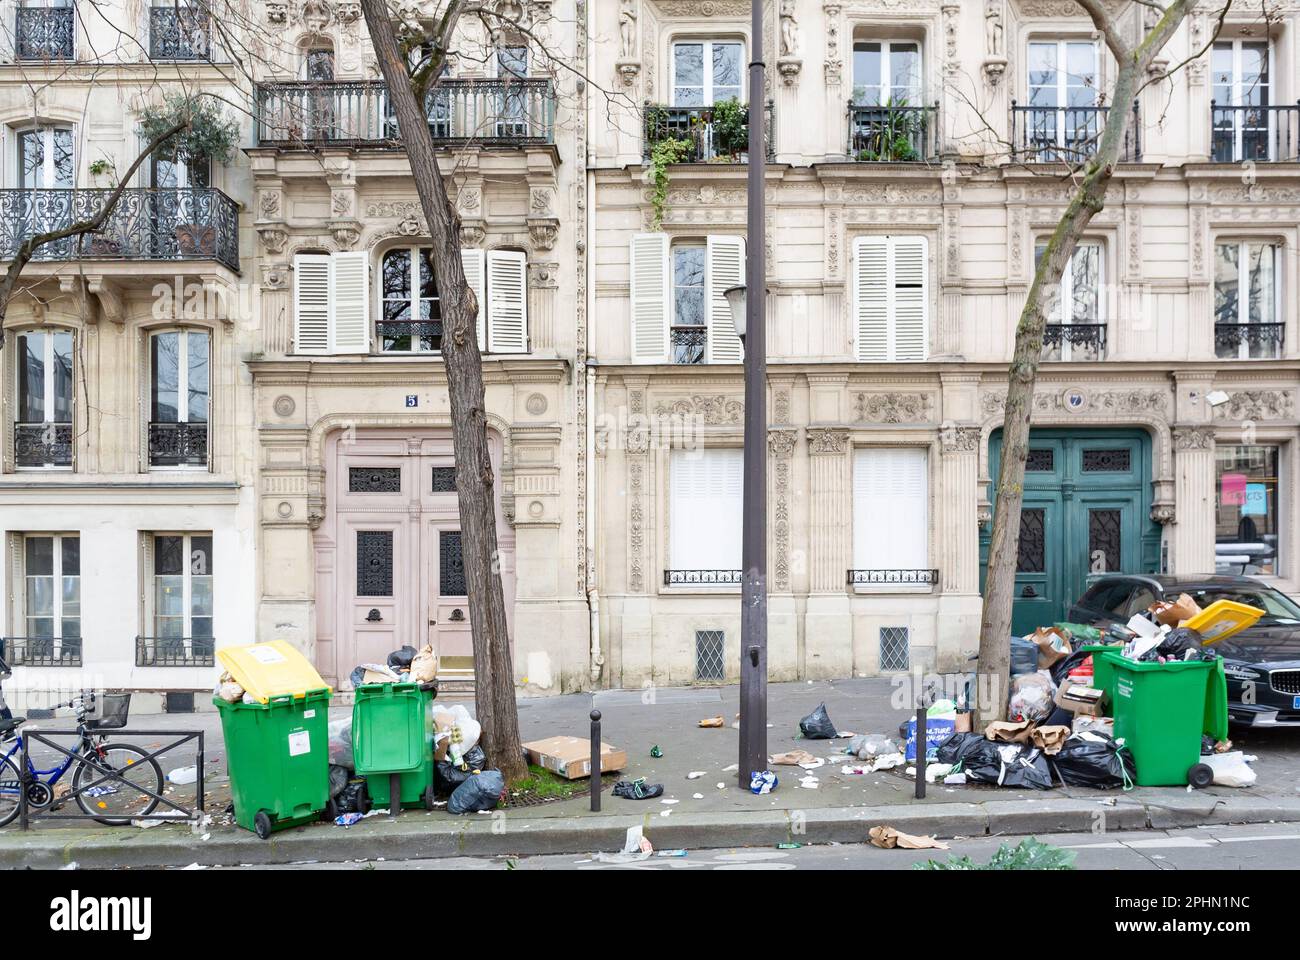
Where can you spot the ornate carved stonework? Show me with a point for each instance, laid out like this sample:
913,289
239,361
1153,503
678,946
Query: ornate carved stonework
824,440
543,233
1194,438
473,233
1257,405
1107,402
781,443
718,409
636,526
1162,513
893,407
274,239
959,439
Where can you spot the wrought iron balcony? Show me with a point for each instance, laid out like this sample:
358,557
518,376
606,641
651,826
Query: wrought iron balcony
1074,341
708,578
174,651
397,335
178,444
899,577
688,343
893,134
43,444
44,33
1257,341
1067,134
41,651
707,140
1259,133
199,223
508,111
179,33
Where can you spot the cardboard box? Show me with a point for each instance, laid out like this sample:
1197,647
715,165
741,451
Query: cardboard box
1088,705
570,757
1171,613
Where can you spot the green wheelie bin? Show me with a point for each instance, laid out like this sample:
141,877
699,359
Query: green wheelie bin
392,743
278,756
1161,711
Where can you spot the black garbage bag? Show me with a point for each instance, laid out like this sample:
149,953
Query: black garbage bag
817,725
1061,669
355,797
959,747
447,776
358,676
1093,759
1178,642
1008,765
1024,656
339,777
400,660
482,791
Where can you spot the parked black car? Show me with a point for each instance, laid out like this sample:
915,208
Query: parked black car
1262,663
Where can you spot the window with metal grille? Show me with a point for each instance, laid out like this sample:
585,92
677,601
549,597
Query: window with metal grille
451,564
894,648
1107,461
1041,460
444,479
709,647
374,479
374,563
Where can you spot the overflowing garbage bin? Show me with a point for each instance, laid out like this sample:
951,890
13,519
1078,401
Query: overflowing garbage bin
392,742
1161,711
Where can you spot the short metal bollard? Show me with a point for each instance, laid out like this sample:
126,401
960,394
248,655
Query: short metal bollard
920,753
595,761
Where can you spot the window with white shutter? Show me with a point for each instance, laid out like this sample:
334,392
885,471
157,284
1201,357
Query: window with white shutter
648,264
891,531
311,295
473,262
331,294
507,279
351,306
891,298
726,256
704,515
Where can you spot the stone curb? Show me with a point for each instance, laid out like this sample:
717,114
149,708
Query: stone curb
414,836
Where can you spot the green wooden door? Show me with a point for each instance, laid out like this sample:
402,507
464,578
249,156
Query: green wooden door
1086,512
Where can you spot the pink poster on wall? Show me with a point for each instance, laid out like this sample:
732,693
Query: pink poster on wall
1232,489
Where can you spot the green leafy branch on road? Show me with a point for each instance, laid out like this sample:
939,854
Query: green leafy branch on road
1029,854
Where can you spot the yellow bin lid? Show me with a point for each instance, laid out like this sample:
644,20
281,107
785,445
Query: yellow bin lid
1223,619
273,669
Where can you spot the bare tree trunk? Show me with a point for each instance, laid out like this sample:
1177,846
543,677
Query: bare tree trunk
1089,198
493,668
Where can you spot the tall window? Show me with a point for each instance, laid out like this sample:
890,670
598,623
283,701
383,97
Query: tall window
45,158
707,72
52,595
704,514
43,426
887,73
512,66
1246,300
182,593
45,30
689,300
891,533
1247,518
180,397
1062,120
1243,126
1076,329
411,318
891,298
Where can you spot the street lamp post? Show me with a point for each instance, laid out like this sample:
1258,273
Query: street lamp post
752,327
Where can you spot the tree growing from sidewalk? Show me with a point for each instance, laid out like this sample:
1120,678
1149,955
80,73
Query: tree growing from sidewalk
1158,23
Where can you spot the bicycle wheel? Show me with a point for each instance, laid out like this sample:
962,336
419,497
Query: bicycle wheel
112,801
11,785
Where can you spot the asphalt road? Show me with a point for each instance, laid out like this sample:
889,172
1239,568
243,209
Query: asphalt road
1270,846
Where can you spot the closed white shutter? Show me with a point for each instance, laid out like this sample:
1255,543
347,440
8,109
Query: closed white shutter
707,492
311,303
911,298
351,302
871,297
649,293
507,280
891,495
472,263
726,269
891,298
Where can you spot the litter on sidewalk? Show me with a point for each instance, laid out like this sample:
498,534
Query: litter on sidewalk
887,838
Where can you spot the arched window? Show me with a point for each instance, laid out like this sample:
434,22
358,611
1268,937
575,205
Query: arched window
410,315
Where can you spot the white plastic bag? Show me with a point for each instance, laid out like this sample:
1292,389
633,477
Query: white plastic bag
340,742
464,730
1032,696
1230,769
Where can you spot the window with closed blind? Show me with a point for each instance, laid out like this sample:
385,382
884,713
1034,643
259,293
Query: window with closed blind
704,516
891,299
891,529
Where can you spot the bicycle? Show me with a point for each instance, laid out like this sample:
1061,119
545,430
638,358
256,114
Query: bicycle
101,767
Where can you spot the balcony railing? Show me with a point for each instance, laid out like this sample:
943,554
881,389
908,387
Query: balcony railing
1256,341
41,651
494,112
902,577
1258,133
1067,134
179,33
44,33
707,140
178,444
893,134
710,578
199,223
43,444
398,335
1074,341
174,651
688,343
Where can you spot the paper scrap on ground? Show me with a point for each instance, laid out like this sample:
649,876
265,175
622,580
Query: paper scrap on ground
888,838
793,758
712,722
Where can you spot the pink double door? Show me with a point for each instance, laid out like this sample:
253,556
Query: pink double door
389,564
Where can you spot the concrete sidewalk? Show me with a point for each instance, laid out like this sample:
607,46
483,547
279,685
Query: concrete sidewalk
840,808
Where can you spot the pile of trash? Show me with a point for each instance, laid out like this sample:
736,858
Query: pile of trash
406,665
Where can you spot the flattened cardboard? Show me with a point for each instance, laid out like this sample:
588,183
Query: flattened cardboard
570,757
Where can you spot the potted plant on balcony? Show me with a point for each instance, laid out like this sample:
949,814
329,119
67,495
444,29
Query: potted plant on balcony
209,136
99,244
893,139
730,122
